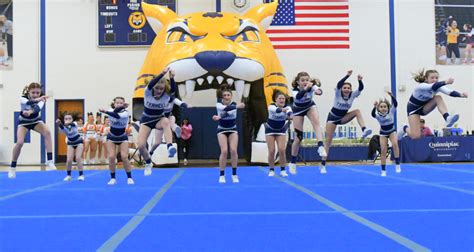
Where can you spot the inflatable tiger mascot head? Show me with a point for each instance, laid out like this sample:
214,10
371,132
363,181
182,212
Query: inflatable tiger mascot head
209,49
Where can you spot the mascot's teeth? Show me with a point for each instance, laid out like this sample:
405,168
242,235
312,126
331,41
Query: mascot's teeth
220,79
239,87
230,81
200,81
190,84
210,78
182,91
246,90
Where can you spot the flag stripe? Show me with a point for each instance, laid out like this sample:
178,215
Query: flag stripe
322,15
309,39
324,23
321,1
321,11
321,7
298,35
310,42
309,31
311,46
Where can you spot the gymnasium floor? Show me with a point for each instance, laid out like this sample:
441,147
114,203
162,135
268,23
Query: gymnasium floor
426,207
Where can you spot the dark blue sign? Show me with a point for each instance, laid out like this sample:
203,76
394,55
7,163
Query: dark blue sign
122,22
437,149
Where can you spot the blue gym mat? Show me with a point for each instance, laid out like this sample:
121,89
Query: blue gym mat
351,208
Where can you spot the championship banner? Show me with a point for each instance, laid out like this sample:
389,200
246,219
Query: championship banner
122,22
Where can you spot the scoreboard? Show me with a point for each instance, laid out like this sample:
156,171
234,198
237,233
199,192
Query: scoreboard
123,23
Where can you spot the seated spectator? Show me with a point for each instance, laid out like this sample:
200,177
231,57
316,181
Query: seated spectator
425,130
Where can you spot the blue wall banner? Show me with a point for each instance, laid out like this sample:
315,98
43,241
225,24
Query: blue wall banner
122,22
437,149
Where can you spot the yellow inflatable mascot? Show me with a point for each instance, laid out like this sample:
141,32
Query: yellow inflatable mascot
209,49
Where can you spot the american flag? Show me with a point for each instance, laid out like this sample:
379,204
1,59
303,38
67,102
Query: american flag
310,24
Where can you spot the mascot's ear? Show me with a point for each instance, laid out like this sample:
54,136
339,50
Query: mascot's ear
157,15
263,13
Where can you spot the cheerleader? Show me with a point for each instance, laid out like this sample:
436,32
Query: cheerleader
303,105
90,142
156,99
80,127
103,136
117,137
340,113
385,113
175,128
100,144
74,145
275,131
31,103
424,100
227,131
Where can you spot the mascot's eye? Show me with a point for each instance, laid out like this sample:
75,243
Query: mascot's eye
178,34
247,35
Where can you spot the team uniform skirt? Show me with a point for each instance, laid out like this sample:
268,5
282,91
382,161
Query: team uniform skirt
269,131
29,124
117,139
150,122
227,131
302,111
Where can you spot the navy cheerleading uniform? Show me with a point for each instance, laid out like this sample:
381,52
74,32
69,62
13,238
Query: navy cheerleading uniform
424,93
34,118
118,125
386,121
343,104
155,107
228,114
72,134
303,100
277,120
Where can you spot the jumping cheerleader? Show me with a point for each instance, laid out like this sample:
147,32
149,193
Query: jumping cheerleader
74,145
175,128
275,131
303,105
227,131
117,137
157,97
424,100
385,113
340,113
31,104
